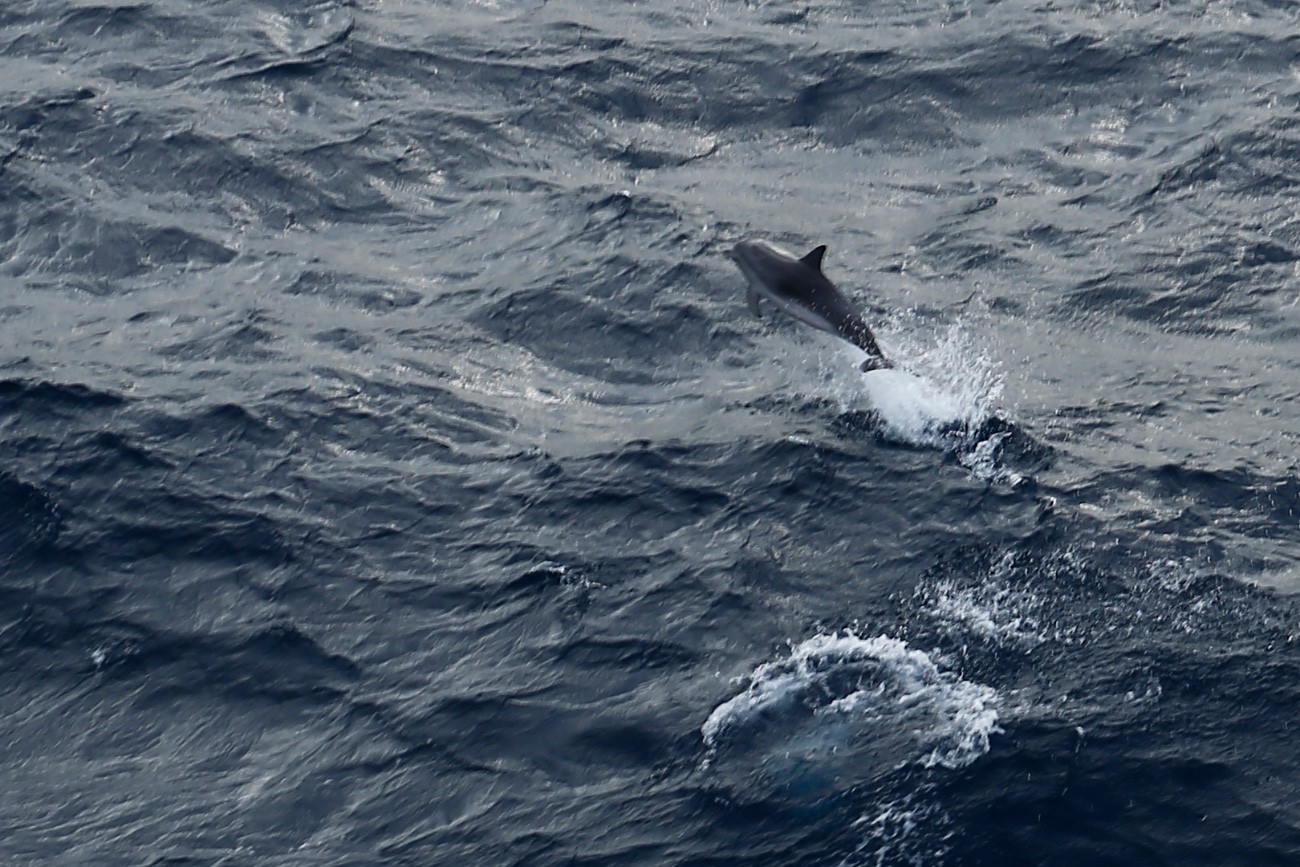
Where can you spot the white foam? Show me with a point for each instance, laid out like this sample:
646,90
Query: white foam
950,384
891,827
1001,615
939,396
912,409
982,460
843,677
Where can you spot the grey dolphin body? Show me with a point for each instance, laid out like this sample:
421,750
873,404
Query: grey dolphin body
799,287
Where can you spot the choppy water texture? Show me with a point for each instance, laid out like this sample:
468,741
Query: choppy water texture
391,473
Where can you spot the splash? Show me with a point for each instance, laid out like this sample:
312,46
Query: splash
909,829
945,396
1000,615
947,390
915,410
1005,605
853,688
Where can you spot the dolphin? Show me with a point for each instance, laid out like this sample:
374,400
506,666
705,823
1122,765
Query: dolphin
799,287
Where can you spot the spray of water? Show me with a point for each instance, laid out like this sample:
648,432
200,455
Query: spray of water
939,392
944,394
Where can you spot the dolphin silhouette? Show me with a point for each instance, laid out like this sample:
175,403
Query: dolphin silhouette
799,287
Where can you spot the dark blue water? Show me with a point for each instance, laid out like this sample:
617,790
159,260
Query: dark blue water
391,473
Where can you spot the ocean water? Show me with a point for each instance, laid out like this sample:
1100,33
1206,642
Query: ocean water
391,472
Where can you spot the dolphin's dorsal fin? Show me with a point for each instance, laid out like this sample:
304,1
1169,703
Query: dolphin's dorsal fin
814,258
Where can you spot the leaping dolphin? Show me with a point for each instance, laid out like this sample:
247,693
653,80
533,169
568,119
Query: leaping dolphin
799,287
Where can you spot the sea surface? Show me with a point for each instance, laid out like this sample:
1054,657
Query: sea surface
392,473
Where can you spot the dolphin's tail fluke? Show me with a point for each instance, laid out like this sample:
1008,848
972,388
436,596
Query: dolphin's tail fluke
875,362
855,331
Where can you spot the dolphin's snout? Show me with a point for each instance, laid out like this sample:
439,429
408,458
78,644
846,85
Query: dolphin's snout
744,252
737,254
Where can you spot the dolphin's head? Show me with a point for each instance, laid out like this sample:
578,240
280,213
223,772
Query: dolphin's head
758,254
762,263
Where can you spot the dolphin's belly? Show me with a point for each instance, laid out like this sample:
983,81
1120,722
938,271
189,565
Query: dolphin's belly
803,314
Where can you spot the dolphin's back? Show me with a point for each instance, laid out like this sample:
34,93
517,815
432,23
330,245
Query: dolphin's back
807,285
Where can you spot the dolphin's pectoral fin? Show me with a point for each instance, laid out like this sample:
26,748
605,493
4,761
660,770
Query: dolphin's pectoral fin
814,258
752,298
